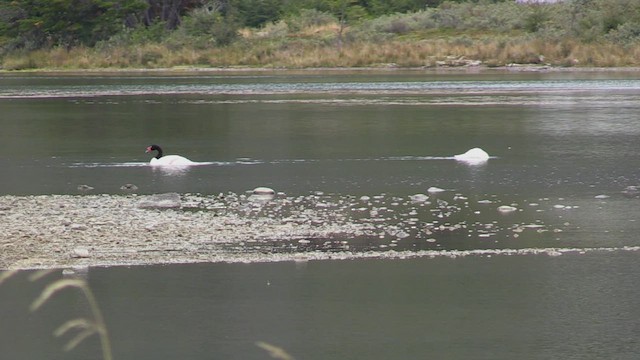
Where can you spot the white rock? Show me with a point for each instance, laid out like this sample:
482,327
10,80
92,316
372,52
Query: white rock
262,194
507,208
78,227
160,201
433,190
263,191
419,198
602,196
81,252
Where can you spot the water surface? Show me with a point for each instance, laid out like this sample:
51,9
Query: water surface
357,145
524,307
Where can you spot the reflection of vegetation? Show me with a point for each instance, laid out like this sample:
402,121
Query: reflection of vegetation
85,326
319,33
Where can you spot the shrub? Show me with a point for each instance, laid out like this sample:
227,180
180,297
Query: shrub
625,34
307,18
209,26
273,31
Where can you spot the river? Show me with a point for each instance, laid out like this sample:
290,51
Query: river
563,168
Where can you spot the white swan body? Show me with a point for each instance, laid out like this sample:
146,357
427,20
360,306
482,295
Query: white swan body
167,160
171,160
473,156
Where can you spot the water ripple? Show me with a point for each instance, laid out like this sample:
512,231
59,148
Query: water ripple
451,93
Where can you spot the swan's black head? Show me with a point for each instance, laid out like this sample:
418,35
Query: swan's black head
155,148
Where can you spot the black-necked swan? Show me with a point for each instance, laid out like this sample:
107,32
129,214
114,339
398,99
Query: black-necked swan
168,160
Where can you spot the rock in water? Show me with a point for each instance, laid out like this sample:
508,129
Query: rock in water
262,194
473,156
129,187
160,201
263,191
506,209
630,191
419,198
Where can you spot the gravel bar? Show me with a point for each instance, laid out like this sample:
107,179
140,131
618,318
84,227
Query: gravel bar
69,231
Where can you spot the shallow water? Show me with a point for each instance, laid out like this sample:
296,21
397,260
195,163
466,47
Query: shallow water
557,141
353,148
504,307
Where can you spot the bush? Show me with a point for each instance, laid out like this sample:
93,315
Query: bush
308,18
625,34
210,24
274,30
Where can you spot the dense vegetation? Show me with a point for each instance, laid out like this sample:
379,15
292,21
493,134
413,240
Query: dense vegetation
315,33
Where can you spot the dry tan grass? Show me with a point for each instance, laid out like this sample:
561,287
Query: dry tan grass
301,53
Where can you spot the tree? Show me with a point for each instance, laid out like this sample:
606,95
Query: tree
347,11
169,12
256,13
215,21
39,23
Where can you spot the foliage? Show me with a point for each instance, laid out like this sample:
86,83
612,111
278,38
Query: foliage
307,18
37,23
301,33
210,23
256,13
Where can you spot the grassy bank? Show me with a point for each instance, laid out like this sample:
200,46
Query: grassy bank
453,51
491,34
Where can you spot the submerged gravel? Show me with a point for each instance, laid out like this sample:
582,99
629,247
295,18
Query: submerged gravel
102,230
57,231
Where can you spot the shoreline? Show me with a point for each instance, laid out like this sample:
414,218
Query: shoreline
188,70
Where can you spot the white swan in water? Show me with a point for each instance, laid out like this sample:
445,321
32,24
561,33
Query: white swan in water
473,156
167,160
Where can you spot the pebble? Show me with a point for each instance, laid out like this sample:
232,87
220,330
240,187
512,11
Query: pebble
434,190
78,227
160,201
507,209
85,188
419,198
81,252
263,191
129,187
